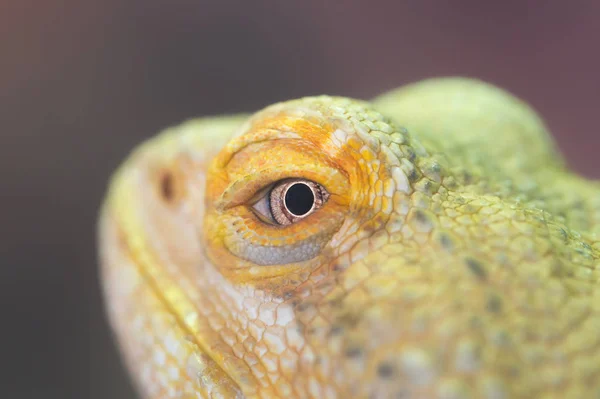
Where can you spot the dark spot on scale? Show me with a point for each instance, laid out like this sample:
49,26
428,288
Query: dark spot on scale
369,227
386,370
421,217
586,246
494,304
353,352
413,176
409,153
563,234
294,302
288,295
303,306
446,242
476,268
336,330
336,267
467,177
427,185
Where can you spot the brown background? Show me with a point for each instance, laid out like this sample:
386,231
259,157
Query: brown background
81,83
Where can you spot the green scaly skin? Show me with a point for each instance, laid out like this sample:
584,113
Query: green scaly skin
458,257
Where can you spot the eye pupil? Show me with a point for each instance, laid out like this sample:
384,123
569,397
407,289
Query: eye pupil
291,200
299,199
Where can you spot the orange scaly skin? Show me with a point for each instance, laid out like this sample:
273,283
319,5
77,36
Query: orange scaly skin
456,256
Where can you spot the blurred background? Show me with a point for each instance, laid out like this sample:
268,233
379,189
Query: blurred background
82,82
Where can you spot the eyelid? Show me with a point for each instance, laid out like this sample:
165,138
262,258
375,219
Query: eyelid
249,187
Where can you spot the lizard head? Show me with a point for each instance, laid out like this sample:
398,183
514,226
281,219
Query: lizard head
318,249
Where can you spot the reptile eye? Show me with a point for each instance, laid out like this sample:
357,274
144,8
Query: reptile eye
292,200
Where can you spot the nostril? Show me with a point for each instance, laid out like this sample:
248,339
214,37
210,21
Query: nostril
386,370
166,186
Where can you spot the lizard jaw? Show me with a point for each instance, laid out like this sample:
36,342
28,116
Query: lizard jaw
164,347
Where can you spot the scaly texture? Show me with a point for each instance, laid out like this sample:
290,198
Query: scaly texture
456,256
